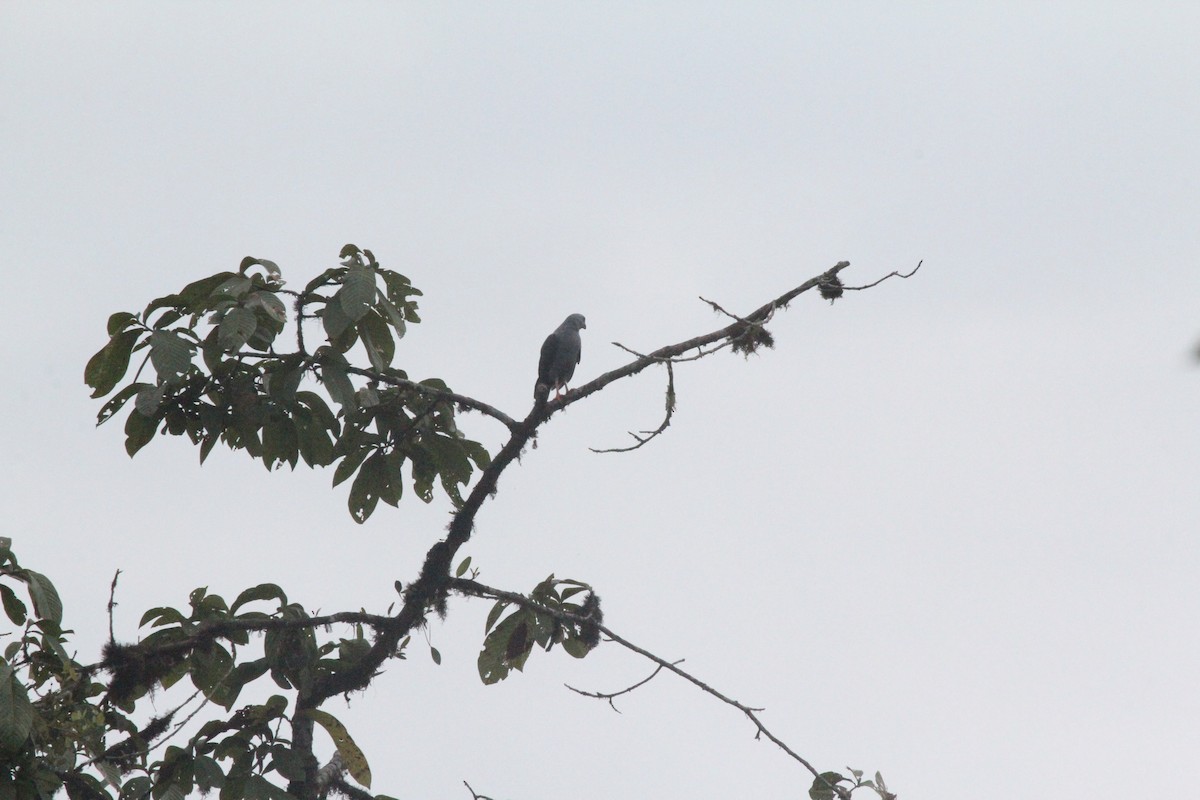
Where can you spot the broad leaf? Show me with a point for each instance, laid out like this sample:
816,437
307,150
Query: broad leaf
264,591
46,603
357,292
139,430
16,712
106,368
13,606
236,327
352,757
337,382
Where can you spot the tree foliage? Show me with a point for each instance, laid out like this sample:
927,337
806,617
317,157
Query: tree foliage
211,366
218,378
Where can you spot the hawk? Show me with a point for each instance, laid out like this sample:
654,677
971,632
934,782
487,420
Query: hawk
560,354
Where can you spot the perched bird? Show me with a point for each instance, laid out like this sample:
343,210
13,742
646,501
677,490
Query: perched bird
560,354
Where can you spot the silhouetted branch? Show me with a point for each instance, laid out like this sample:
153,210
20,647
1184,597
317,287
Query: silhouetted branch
893,274
646,436
430,590
610,695
112,604
475,795
471,587
733,331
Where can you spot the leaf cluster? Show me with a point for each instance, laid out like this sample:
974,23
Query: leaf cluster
217,377
835,786
549,618
47,699
60,729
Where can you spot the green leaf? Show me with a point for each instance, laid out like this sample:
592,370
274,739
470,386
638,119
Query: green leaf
119,322
283,379
162,616
287,762
16,712
118,401
139,430
820,787
236,327
316,448
423,473
273,271
279,441
137,788
105,369
149,399
337,382
394,317
209,669
335,320
367,486
507,647
347,466
399,289
324,278
208,773
476,452
194,299
575,647
13,606
463,567
270,303
46,604
393,487
264,591
235,287
357,292
436,655
169,318
377,340
315,403
494,614
352,757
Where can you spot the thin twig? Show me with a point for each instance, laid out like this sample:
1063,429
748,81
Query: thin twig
755,317
462,400
646,436
677,359
112,603
477,589
720,310
610,695
893,274
475,795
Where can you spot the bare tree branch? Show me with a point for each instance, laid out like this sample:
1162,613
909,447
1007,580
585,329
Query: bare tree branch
610,695
430,589
646,436
893,274
475,795
112,604
756,317
471,587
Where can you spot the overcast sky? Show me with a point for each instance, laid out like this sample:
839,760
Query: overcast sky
946,529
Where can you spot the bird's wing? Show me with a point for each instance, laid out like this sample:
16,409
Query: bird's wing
566,355
546,362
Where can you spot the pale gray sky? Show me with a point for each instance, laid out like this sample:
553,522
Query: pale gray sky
946,529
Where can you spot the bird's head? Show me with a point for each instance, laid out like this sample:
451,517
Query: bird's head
577,321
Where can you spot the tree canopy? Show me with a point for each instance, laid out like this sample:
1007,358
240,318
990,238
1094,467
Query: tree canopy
212,366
